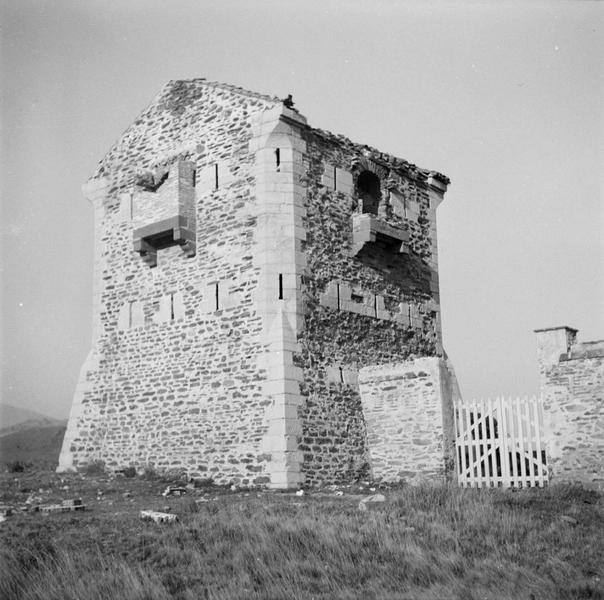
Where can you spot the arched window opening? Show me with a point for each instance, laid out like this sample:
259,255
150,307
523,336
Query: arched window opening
368,192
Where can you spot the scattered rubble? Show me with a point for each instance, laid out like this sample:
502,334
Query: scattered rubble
127,472
174,490
372,501
157,517
65,506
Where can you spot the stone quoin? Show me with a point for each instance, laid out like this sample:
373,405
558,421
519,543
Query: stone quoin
266,306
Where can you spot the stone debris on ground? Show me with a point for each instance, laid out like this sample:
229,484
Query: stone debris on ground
174,490
372,501
157,517
65,506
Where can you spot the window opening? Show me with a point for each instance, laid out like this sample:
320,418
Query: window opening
217,304
278,158
280,286
216,175
338,291
335,180
369,192
172,307
341,374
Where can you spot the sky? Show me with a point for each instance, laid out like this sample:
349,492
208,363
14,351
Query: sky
507,99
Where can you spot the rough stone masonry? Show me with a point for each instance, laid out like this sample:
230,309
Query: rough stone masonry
572,388
258,283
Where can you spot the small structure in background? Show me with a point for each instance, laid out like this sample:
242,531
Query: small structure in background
557,437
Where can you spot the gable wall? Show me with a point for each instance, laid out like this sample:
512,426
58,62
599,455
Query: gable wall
185,392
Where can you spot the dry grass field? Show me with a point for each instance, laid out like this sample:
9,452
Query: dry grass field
422,543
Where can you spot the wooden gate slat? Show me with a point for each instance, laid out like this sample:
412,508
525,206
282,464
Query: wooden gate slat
529,440
468,439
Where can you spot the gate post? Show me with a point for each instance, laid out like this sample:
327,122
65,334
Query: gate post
572,387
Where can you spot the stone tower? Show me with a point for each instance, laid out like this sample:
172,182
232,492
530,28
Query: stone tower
247,267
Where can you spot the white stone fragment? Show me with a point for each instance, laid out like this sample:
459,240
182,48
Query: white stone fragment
157,517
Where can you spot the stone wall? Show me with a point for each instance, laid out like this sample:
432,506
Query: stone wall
175,377
572,387
408,409
366,302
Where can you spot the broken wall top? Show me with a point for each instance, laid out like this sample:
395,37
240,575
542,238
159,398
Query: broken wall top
174,124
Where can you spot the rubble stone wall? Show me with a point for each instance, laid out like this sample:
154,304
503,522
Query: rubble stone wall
369,308
572,387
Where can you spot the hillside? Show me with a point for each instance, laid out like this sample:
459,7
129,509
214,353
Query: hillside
39,445
16,418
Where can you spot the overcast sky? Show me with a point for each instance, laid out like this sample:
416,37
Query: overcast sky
505,98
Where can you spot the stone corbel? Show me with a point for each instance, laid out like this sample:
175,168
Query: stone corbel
367,229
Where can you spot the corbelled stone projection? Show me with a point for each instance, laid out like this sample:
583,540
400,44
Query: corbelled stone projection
246,267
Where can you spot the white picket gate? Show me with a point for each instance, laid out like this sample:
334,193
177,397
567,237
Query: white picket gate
499,443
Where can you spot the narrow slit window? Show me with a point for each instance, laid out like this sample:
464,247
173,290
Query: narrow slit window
172,307
278,158
375,310
217,303
335,180
216,175
338,291
280,286
130,311
341,374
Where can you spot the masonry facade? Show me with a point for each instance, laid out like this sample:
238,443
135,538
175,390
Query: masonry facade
248,268
572,389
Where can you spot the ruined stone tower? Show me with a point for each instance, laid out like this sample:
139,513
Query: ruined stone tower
247,267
